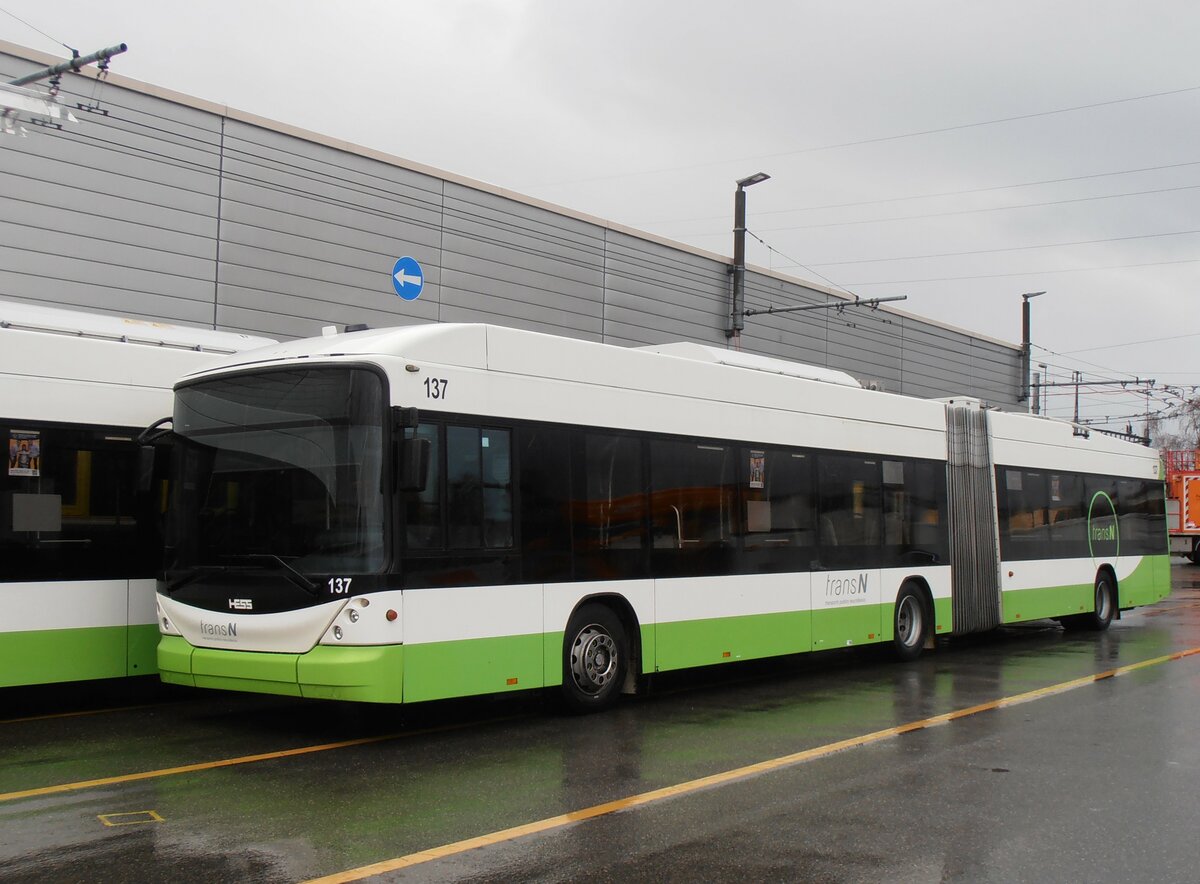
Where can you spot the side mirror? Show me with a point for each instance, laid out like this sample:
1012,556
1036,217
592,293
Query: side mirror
413,467
147,457
147,442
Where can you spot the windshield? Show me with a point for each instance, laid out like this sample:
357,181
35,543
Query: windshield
281,467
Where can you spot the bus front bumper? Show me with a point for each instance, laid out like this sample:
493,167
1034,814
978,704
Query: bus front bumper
373,674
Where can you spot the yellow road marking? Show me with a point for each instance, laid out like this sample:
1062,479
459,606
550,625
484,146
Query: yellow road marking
73,714
117,819
729,776
189,768
227,762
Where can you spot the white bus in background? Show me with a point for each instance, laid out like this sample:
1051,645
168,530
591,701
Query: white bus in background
412,514
79,548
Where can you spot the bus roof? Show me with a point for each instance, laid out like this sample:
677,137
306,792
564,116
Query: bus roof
80,323
466,345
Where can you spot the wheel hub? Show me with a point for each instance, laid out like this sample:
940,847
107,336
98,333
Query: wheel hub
593,659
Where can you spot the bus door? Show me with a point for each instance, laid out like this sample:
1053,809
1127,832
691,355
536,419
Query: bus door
846,598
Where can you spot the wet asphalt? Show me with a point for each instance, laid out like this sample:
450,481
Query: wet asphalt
1096,780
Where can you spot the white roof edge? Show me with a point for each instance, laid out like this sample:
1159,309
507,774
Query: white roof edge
738,359
201,104
22,316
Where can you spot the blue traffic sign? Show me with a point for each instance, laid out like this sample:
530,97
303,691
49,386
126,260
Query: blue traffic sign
408,278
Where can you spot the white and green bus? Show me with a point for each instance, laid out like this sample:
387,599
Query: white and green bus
450,510
79,549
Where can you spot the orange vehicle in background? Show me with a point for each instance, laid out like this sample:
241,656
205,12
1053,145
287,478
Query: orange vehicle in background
1183,501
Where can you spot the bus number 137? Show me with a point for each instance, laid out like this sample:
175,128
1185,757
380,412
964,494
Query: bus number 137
436,388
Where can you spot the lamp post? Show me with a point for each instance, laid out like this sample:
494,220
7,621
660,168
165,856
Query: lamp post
737,318
1026,349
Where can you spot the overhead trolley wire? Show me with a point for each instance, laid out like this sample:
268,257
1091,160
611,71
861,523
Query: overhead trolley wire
1053,245
1030,273
957,212
922,196
880,139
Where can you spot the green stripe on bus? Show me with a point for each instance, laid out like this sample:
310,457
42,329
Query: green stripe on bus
52,655
724,639
472,666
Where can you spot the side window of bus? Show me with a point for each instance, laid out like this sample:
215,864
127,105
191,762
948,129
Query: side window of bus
69,507
479,488
926,521
1139,508
1067,514
1024,499
692,494
850,501
779,504
614,506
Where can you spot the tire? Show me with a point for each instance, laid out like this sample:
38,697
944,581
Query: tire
910,625
1105,606
595,659
1195,555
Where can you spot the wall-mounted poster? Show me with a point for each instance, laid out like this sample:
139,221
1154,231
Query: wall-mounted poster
758,469
24,453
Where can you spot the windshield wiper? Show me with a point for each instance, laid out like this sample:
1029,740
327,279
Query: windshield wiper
190,575
288,571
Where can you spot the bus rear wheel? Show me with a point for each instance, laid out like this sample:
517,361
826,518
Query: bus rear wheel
1105,606
911,625
1195,554
595,659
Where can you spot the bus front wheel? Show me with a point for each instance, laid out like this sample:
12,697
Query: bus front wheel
911,626
595,658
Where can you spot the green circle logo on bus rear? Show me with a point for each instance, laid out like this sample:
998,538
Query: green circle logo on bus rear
1104,537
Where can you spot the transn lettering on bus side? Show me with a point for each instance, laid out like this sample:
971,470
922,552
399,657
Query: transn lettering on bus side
1104,532
837,587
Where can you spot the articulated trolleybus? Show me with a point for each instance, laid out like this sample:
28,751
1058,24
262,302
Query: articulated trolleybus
79,548
448,510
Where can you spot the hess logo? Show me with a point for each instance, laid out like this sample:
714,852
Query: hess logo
241,604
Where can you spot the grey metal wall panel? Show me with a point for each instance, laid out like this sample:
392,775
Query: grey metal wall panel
655,294
77,187
104,297
87,227
174,210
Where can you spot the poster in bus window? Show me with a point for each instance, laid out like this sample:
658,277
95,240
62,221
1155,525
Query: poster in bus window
758,469
24,453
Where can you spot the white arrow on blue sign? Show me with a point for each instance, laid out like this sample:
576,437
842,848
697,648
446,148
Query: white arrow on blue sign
408,278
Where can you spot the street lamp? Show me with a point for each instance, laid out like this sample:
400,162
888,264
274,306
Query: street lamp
738,315
1026,349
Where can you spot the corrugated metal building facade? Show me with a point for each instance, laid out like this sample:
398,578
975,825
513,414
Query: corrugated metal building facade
174,209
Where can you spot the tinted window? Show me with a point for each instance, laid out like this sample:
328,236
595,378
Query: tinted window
69,506
468,499
692,494
778,499
850,489
614,506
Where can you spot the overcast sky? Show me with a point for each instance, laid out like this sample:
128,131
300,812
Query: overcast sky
958,153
